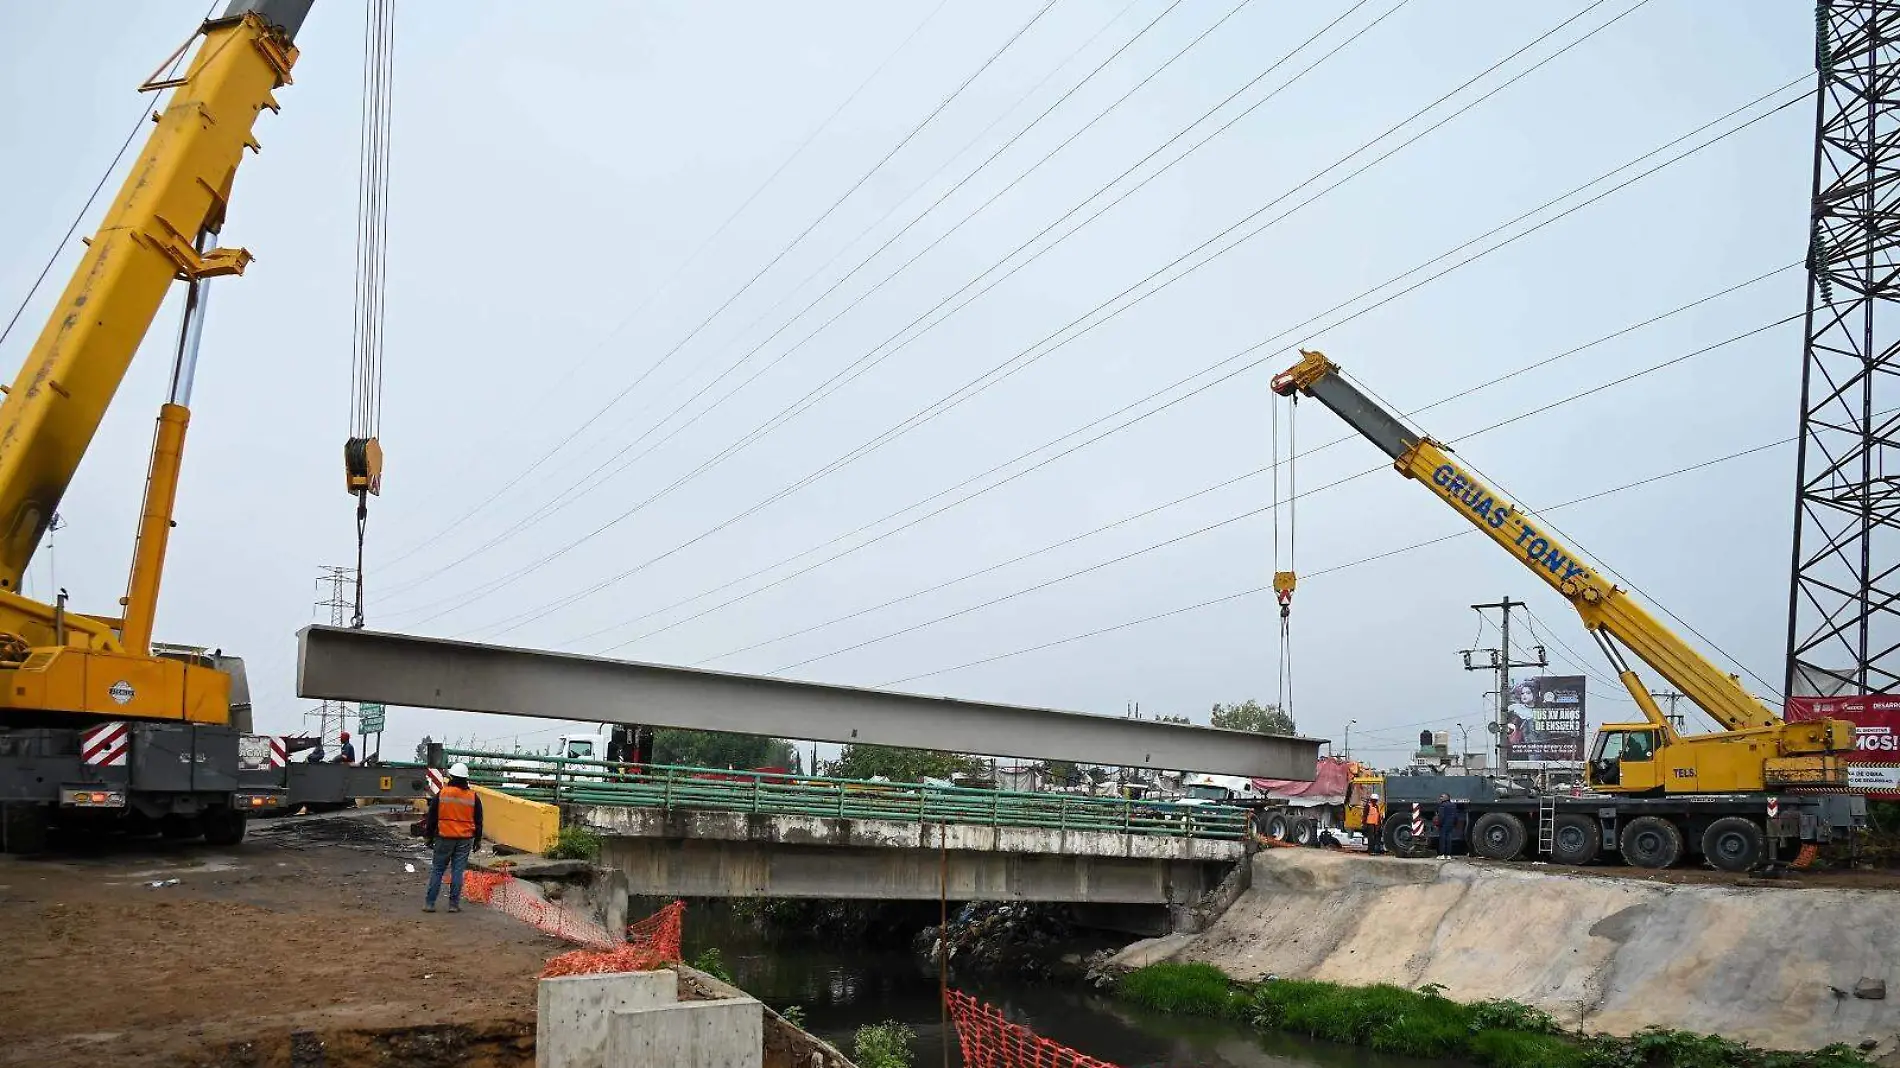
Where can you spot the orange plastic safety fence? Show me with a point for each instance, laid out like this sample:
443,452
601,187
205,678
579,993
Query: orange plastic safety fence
650,943
990,1041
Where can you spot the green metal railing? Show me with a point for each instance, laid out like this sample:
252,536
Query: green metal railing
597,782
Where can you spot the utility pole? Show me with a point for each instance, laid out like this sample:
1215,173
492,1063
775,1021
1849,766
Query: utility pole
1499,661
1349,724
1671,696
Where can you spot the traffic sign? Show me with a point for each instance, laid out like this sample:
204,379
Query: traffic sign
369,717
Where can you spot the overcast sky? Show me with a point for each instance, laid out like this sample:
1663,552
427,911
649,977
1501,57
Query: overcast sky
556,180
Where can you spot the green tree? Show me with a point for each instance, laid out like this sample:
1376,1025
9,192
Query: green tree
1251,715
1062,772
716,749
899,765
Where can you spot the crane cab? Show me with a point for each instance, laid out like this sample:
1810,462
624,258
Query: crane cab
1625,759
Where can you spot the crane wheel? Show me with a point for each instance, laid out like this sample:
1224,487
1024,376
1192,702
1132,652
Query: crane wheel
1498,836
1575,840
223,827
1652,842
1401,842
1733,843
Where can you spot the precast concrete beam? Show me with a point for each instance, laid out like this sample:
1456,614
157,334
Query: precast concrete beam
341,664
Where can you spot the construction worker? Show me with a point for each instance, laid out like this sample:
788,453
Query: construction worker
453,829
345,752
1374,822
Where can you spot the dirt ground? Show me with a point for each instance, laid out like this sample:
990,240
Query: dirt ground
304,946
1832,879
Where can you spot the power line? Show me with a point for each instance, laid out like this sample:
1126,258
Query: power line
1383,555
1223,365
677,272
1255,512
1457,395
586,483
965,392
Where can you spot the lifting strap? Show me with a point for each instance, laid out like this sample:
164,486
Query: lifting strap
1284,575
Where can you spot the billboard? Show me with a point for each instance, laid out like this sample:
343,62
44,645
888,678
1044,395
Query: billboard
1875,765
1545,719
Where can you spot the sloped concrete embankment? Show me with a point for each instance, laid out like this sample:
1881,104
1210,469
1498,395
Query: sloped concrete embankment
1774,967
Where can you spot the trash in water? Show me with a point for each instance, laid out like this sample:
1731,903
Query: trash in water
410,868
162,883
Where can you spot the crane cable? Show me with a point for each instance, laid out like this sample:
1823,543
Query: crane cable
362,452
1285,578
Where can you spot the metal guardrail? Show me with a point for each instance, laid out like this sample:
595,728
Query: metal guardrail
598,782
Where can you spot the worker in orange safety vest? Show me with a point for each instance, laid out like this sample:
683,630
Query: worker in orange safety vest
1375,825
453,829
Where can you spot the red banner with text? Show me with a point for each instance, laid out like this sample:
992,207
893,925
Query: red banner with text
1875,766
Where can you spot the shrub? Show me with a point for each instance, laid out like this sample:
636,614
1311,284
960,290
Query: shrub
885,1045
575,843
1496,1048
1182,989
794,1015
713,963
1506,1015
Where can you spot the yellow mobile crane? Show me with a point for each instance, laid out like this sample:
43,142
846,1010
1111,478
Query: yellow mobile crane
1760,778
95,719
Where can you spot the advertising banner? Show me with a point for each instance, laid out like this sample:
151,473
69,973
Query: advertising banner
1875,765
1545,721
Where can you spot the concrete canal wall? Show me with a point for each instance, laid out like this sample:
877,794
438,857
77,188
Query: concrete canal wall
1777,967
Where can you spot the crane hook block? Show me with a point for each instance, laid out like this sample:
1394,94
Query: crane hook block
363,465
1283,582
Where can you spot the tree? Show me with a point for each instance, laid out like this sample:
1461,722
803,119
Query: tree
1175,719
1252,716
1062,772
859,761
716,749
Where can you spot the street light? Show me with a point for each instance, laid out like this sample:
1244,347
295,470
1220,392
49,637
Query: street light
1349,724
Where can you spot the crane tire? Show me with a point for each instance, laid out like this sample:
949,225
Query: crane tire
1401,842
1276,827
1305,832
1651,842
1498,836
223,826
24,828
1575,840
1733,843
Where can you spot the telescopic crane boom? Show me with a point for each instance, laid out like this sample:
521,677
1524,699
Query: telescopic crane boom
156,231
1757,749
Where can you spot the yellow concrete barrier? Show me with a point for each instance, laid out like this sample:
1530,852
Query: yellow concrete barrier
530,826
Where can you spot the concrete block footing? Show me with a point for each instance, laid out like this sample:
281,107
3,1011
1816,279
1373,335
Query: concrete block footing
636,1018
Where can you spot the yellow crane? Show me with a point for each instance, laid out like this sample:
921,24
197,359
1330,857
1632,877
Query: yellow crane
155,233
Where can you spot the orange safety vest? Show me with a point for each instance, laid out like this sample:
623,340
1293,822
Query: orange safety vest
1373,816
455,812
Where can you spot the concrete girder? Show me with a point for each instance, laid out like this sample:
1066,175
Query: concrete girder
340,664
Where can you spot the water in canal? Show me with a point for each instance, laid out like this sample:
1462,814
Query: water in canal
842,988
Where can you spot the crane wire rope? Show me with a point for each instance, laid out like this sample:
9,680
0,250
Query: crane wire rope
977,385
372,275
1223,365
167,71
1271,508
1523,369
677,272
588,482
1382,555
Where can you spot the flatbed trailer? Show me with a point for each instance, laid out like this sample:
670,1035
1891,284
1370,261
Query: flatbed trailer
177,779
1733,832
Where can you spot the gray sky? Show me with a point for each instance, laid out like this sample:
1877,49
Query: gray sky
551,175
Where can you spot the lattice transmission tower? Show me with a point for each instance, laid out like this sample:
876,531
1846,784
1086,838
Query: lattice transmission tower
1844,602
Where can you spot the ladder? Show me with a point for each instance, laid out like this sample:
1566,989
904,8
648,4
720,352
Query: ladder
1546,823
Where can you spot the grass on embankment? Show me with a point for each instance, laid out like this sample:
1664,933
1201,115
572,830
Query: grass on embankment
1424,1023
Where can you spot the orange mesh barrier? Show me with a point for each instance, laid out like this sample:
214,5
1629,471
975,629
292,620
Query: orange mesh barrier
648,943
1804,859
989,1041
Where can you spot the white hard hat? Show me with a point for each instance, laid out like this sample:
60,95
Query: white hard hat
1375,797
458,770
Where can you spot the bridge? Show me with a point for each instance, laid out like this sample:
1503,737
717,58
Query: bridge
702,832
342,664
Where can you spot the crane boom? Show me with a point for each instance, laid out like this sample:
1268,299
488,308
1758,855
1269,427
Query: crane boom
1611,615
154,232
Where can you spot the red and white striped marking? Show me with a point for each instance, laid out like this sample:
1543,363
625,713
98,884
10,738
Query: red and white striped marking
437,777
1418,820
108,745
279,756
1774,807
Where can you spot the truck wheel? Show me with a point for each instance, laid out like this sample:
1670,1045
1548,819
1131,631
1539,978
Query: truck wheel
179,828
1498,836
24,828
1733,843
1401,842
1305,832
1276,827
223,827
1575,840
1652,842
